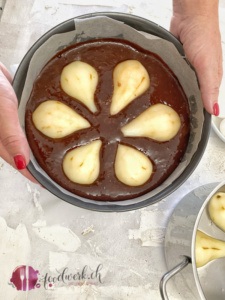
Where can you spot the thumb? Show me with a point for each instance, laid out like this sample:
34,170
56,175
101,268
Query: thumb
209,76
15,148
210,98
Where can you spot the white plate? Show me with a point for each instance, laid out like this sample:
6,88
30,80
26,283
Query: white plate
216,127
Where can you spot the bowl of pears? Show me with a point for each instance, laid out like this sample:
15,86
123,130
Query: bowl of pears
206,247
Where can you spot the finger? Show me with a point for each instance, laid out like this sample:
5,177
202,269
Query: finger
5,72
174,28
11,135
209,95
210,75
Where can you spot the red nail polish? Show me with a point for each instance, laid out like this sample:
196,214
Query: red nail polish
216,109
20,162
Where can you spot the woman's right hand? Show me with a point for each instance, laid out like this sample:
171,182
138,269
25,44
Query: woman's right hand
196,24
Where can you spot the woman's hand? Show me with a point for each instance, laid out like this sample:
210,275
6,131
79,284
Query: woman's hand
195,23
14,147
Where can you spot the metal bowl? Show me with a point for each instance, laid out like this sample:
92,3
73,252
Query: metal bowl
139,24
189,216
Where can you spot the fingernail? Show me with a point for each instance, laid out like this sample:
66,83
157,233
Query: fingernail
20,162
216,109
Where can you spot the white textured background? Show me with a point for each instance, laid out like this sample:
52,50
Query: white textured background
38,229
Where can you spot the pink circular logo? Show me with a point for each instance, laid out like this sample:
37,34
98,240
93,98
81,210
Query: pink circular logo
24,278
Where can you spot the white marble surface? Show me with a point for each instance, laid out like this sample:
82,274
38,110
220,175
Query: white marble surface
42,231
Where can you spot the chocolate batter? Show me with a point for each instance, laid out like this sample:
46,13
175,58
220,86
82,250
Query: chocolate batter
104,55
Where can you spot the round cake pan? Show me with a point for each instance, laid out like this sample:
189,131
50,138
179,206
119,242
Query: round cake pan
139,24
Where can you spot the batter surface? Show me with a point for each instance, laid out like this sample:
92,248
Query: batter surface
104,55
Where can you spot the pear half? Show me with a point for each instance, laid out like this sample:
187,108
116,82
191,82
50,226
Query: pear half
79,80
56,120
132,167
130,80
207,249
159,122
82,165
216,210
